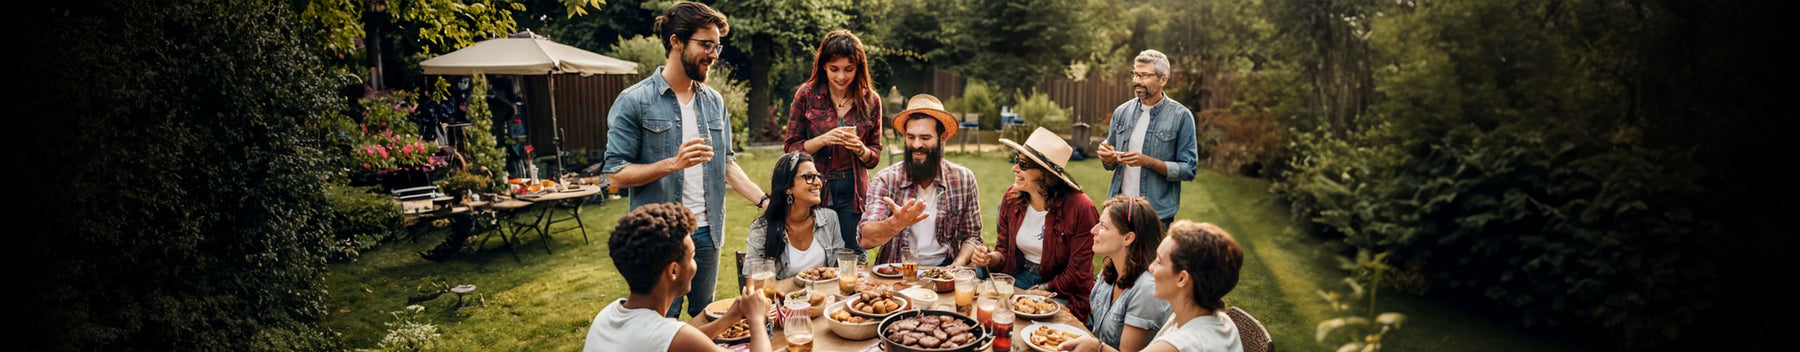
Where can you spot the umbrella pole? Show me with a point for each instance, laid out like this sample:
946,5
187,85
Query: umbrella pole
556,131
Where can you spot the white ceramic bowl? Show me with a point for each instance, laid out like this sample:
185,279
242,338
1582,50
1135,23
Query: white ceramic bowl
850,331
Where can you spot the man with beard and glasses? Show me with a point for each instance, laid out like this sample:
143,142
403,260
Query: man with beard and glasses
663,133
1157,134
925,187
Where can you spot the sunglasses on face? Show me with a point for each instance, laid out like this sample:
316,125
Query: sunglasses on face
1023,163
811,179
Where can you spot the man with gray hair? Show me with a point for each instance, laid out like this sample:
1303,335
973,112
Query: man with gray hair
1158,137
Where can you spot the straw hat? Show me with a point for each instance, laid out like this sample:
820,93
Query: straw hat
929,105
1049,150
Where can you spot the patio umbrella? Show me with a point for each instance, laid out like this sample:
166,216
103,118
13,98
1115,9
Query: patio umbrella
526,53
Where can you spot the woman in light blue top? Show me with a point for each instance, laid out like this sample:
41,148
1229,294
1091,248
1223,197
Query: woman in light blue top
1125,312
1196,265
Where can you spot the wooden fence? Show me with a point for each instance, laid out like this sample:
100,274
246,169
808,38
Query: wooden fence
581,107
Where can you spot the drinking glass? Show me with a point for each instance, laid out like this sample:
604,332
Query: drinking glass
1003,285
965,289
1002,321
847,263
799,331
909,264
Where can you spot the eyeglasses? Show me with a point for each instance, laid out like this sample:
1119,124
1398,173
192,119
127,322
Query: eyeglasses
811,179
1022,162
711,46
1145,74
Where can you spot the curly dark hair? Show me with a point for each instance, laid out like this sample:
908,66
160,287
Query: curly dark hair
647,240
1132,214
1211,256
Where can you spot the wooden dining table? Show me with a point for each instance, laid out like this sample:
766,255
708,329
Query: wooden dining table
825,340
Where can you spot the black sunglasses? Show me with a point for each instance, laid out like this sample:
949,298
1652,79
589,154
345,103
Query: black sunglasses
811,179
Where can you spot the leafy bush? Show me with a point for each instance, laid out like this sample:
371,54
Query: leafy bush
188,203
1039,111
361,217
1517,180
646,51
1238,143
388,140
979,98
737,103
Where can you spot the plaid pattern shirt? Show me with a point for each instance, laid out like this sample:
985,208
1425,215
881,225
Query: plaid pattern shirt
958,216
812,114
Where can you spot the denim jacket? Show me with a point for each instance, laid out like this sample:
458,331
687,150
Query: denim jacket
1170,138
644,127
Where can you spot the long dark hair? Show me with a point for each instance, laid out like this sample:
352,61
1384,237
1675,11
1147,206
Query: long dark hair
775,217
842,43
1132,214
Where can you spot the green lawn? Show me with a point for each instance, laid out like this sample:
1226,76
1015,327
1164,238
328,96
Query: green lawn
545,302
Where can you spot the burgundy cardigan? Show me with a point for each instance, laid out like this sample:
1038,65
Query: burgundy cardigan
1068,261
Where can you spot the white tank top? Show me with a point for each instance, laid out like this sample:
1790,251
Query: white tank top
617,328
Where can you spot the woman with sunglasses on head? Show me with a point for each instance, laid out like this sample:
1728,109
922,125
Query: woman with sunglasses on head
836,116
1045,241
1195,266
1125,312
794,232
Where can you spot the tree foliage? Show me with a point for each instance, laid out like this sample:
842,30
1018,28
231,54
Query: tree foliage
189,189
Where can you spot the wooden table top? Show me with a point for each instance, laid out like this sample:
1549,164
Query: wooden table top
584,191
825,340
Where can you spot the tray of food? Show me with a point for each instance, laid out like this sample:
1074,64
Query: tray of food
932,331
849,326
737,333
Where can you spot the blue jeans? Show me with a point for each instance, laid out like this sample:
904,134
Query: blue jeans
843,191
701,294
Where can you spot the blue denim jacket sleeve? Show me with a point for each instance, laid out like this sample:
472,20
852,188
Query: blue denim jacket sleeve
622,143
1187,149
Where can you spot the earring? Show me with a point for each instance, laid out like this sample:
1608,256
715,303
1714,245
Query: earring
790,199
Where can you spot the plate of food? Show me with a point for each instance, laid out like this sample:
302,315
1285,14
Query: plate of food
940,278
817,276
717,309
1034,307
889,270
737,333
1046,337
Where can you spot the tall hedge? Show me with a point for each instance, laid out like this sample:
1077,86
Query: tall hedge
1563,161
177,177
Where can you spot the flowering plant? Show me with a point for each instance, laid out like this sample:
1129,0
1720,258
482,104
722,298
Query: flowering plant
387,140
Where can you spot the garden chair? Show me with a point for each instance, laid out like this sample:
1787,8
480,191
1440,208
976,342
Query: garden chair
739,258
1251,332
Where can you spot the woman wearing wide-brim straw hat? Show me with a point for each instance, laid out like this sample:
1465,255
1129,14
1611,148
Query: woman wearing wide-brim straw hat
1045,240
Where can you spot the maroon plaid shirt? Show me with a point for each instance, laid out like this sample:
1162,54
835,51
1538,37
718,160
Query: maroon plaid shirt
812,114
958,216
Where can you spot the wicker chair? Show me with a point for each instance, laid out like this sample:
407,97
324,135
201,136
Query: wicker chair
1251,332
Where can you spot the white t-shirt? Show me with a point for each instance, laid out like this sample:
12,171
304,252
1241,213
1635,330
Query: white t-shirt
1203,333
1133,174
693,183
1030,238
619,328
799,260
924,233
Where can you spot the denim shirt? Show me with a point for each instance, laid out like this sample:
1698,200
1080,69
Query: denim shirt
644,126
1170,138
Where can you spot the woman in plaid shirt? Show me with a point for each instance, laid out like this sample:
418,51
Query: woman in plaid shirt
836,117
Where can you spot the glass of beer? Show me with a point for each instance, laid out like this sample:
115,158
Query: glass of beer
1002,322
799,331
909,264
762,275
847,275
1003,285
965,289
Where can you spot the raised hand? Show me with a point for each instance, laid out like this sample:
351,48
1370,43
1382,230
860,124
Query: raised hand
907,215
984,257
1107,155
693,152
751,305
845,136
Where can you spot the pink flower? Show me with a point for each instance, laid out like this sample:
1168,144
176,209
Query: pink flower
384,152
366,166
